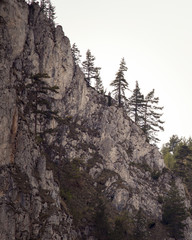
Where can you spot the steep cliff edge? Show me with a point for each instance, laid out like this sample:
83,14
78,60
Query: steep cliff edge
53,188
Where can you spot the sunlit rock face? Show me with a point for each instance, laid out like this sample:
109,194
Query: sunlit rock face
102,137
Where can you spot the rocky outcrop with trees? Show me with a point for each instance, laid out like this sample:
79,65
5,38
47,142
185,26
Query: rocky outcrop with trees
71,166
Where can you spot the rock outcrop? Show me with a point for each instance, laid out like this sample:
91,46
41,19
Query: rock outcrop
110,153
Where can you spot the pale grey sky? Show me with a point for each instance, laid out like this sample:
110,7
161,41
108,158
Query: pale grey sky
154,37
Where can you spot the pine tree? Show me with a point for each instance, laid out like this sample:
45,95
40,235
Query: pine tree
76,54
43,6
151,117
174,213
51,11
48,9
120,84
38,102
168,156
98,81
136,104
88,67
183,166
177,154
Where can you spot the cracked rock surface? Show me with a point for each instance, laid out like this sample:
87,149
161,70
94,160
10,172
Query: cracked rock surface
111,148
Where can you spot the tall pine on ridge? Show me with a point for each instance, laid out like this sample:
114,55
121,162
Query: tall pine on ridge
76,54
88,67
151,117
120,84
136,103
98,81
48,9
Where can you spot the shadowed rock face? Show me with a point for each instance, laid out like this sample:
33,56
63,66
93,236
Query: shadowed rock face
110,147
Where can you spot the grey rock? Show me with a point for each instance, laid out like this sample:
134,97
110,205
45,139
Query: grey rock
30,202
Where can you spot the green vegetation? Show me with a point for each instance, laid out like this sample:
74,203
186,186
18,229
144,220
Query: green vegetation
39,101
89,68
98,82
101,221
143,110
177,154
120,84
151,117
76,189
120,226
83,198
136,104
46,6
174,213
146,113
76,54
48,9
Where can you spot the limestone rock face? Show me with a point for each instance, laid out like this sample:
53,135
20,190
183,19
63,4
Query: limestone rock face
30,206
112,148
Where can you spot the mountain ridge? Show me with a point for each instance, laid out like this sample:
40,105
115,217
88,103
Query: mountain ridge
52,186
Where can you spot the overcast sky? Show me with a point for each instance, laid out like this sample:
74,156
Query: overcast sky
154,37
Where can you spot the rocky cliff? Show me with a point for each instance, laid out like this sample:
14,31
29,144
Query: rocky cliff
95,158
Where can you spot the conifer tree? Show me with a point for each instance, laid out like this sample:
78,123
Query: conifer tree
48,9
43,6
174,213
136,104
183,165
173,143
151,117
177,154
38,102
51,11
88,67
98,81
120,84
168,157
76,54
